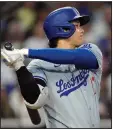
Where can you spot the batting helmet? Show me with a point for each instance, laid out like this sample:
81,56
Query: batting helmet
58,23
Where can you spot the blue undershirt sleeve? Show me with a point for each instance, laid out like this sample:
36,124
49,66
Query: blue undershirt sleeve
82,58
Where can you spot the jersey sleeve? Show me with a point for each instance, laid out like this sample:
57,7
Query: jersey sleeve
96,51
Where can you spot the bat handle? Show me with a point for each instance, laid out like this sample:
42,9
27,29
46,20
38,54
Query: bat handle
8,46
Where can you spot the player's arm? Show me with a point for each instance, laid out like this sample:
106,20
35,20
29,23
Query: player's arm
82,58
33,90
40,79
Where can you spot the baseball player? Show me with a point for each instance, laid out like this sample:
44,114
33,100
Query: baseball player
65,78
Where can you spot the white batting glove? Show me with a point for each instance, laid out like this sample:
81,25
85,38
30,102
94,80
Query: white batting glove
12,58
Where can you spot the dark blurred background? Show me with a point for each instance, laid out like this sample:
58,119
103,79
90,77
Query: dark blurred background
22,24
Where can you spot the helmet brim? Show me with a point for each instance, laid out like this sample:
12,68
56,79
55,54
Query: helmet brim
82,19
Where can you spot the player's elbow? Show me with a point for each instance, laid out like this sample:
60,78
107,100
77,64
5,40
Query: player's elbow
93,62
96,65
85,59
41,101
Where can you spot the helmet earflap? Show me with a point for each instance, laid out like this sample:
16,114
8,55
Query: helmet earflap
65,30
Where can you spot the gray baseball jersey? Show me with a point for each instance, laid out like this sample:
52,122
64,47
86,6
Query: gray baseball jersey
73,98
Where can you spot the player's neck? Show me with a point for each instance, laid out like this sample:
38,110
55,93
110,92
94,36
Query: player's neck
65,45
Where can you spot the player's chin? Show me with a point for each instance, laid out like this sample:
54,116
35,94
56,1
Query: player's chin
80,43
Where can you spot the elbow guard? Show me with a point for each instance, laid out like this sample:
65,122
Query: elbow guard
41,99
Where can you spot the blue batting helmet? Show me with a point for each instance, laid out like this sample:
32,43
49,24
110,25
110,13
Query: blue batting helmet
58,23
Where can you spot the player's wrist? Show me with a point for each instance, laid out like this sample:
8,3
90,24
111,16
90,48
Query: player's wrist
24,52
17,65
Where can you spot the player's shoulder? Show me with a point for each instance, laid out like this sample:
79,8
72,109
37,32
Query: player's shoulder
36,63
88,46
40,64
91,47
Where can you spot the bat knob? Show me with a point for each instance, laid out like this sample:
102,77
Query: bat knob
8,46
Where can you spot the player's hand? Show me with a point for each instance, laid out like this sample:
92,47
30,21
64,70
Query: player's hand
12,57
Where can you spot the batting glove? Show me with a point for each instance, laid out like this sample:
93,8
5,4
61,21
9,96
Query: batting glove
12,58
